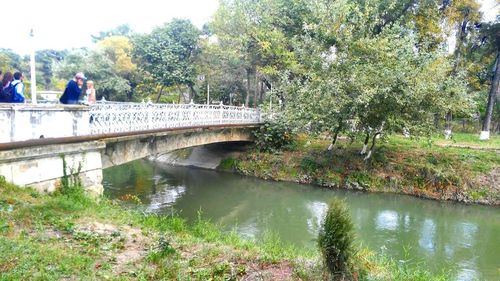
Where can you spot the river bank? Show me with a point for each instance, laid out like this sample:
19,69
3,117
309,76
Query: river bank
446,171
68,236
442,171
72,237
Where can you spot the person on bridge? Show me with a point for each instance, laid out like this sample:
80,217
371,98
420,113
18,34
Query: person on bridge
90,93
5,89
73,90
18,88
7,79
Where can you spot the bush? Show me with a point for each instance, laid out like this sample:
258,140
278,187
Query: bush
273,135
310,164
335,241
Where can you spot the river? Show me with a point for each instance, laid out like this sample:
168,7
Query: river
446,236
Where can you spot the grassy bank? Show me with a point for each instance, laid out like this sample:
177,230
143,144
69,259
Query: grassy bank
71,237
463,169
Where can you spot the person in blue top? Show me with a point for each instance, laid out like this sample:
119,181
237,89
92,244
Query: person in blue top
18,88
73,91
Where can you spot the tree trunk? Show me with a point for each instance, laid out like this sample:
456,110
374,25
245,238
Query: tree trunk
262,92
461,36
159,95
365,143
485,132
256,92
447,130
335,136
369,155
181,94
192,91
247,98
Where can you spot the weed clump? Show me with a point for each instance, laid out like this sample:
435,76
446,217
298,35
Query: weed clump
335,241
71,184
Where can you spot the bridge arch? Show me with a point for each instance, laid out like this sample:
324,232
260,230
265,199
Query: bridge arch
38,163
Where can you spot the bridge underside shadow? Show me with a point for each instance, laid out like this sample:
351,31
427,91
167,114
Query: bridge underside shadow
41,166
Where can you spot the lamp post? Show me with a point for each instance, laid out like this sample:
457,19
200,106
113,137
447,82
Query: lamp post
32,68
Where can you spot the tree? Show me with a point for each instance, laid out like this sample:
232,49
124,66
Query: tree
370,73
257,36
168,54
335,241
463,14
45,61
10,61
492,35
121,30
117,49
96,66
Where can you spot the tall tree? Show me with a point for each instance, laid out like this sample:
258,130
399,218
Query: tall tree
168,54
463,15
118,50
492,36
45,61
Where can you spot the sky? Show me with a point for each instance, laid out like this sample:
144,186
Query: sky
63,24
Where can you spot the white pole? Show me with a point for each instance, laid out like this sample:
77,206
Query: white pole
208,93
32,68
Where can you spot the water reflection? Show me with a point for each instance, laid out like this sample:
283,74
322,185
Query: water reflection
447,236
318,212
427,235
387,220
165,197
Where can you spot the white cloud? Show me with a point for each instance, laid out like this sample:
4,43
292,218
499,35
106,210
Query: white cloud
490,9
60,24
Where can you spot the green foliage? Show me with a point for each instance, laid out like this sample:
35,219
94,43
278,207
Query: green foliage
10,61
168,53
228,164
335,241
273,135
111,81
310,164
45,62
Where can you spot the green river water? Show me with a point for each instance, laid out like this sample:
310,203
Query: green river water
461,238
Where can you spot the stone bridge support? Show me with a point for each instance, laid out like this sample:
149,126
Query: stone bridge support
41,167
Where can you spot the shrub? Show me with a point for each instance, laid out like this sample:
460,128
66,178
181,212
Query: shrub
310,164
273,135
335,240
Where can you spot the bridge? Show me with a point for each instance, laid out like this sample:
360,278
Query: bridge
37,141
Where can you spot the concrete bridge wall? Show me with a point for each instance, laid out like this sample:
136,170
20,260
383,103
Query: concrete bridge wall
41,166
20,122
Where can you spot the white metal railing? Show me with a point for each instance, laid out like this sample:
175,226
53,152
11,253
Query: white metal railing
128,117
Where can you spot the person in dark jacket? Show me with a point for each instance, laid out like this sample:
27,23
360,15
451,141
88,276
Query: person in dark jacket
73,90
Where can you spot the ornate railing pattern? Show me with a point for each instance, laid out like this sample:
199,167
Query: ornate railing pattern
128,117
